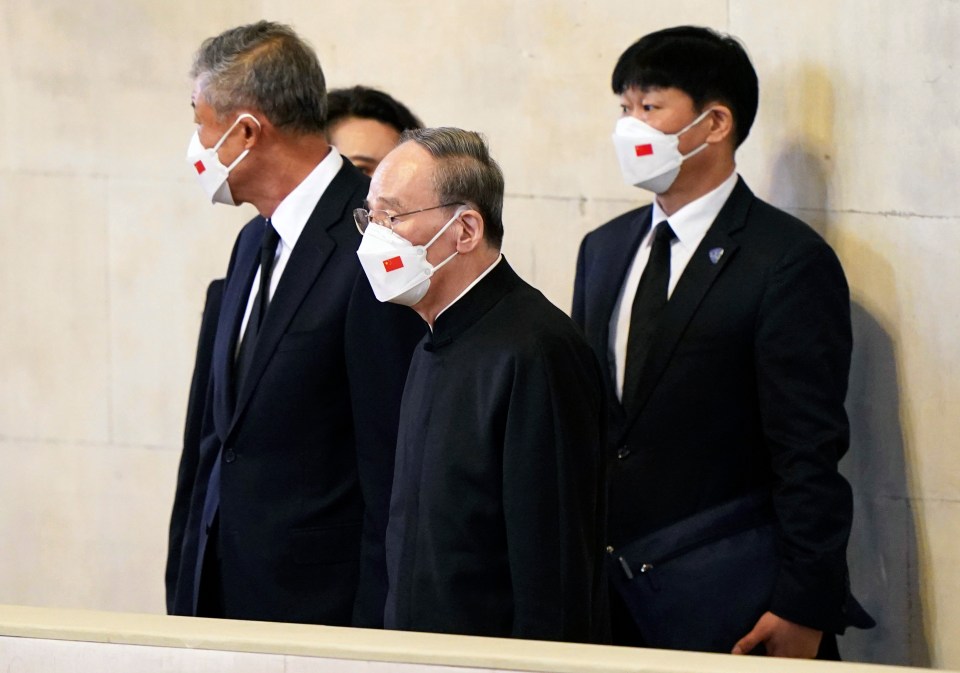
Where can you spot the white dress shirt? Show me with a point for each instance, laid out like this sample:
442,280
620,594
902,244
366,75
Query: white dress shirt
690,224
289,219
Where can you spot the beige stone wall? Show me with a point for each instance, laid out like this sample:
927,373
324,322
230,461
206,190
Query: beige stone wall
107,245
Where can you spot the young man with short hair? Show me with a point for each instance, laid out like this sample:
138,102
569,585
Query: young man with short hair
723,326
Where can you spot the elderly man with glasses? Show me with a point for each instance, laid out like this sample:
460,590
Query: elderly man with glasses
496,515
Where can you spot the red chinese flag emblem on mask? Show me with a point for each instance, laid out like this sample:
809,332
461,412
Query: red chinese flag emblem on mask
644,150
392,264
200,167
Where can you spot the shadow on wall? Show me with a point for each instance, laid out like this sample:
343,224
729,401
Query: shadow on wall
883,543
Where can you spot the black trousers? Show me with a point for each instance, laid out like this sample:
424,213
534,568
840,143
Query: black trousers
210,592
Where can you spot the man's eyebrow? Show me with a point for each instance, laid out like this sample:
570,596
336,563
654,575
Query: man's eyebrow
390,202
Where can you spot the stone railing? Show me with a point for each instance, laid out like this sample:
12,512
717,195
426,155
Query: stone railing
79,641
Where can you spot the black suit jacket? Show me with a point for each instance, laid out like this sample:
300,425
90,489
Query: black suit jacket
192,433
305,432
743,389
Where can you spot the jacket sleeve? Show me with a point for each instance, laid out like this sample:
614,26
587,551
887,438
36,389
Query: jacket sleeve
553,496
197,404
803,346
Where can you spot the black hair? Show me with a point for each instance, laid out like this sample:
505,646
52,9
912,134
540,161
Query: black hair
367,103
706,65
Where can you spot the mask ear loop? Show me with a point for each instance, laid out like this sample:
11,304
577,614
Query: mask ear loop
694,153
216,147
689,126
694,122
433,269
453,219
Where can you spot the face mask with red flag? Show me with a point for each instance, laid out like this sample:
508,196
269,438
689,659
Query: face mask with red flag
650,159
397,269
211,173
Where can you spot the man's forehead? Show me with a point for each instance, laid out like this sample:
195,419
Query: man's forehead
404,177
643,89
411,159
656,91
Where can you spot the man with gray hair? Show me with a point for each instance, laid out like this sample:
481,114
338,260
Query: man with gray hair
287,488
496,515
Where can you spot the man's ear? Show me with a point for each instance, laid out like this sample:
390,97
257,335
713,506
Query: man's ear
471,231
721,123
251,130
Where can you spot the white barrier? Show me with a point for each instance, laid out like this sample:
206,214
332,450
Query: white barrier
79,641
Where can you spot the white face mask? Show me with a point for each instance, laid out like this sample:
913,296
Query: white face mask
650,159
397,269
211,174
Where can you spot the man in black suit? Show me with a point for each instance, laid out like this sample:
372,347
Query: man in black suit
723,325
496,516
281,514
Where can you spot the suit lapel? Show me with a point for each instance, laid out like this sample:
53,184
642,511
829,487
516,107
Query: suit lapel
307,260
609,284
228,329
704,268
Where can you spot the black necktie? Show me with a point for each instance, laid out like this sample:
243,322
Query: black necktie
648,303
268,252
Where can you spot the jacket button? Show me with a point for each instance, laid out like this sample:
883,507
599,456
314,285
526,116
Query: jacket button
229,456
623,452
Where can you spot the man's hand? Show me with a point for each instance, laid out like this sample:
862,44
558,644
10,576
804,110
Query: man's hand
781,638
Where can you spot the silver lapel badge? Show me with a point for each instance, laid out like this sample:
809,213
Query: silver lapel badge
716,254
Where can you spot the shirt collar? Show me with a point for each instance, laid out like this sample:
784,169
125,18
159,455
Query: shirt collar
292,214
470,286
691,222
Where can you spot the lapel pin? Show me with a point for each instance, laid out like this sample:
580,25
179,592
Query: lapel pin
716,254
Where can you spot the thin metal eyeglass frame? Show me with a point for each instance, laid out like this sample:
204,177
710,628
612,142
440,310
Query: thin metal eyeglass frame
361,216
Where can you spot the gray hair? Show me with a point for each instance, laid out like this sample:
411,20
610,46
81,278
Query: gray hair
465,173
267,67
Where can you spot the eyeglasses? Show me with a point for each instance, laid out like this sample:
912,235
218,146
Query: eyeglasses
364,217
